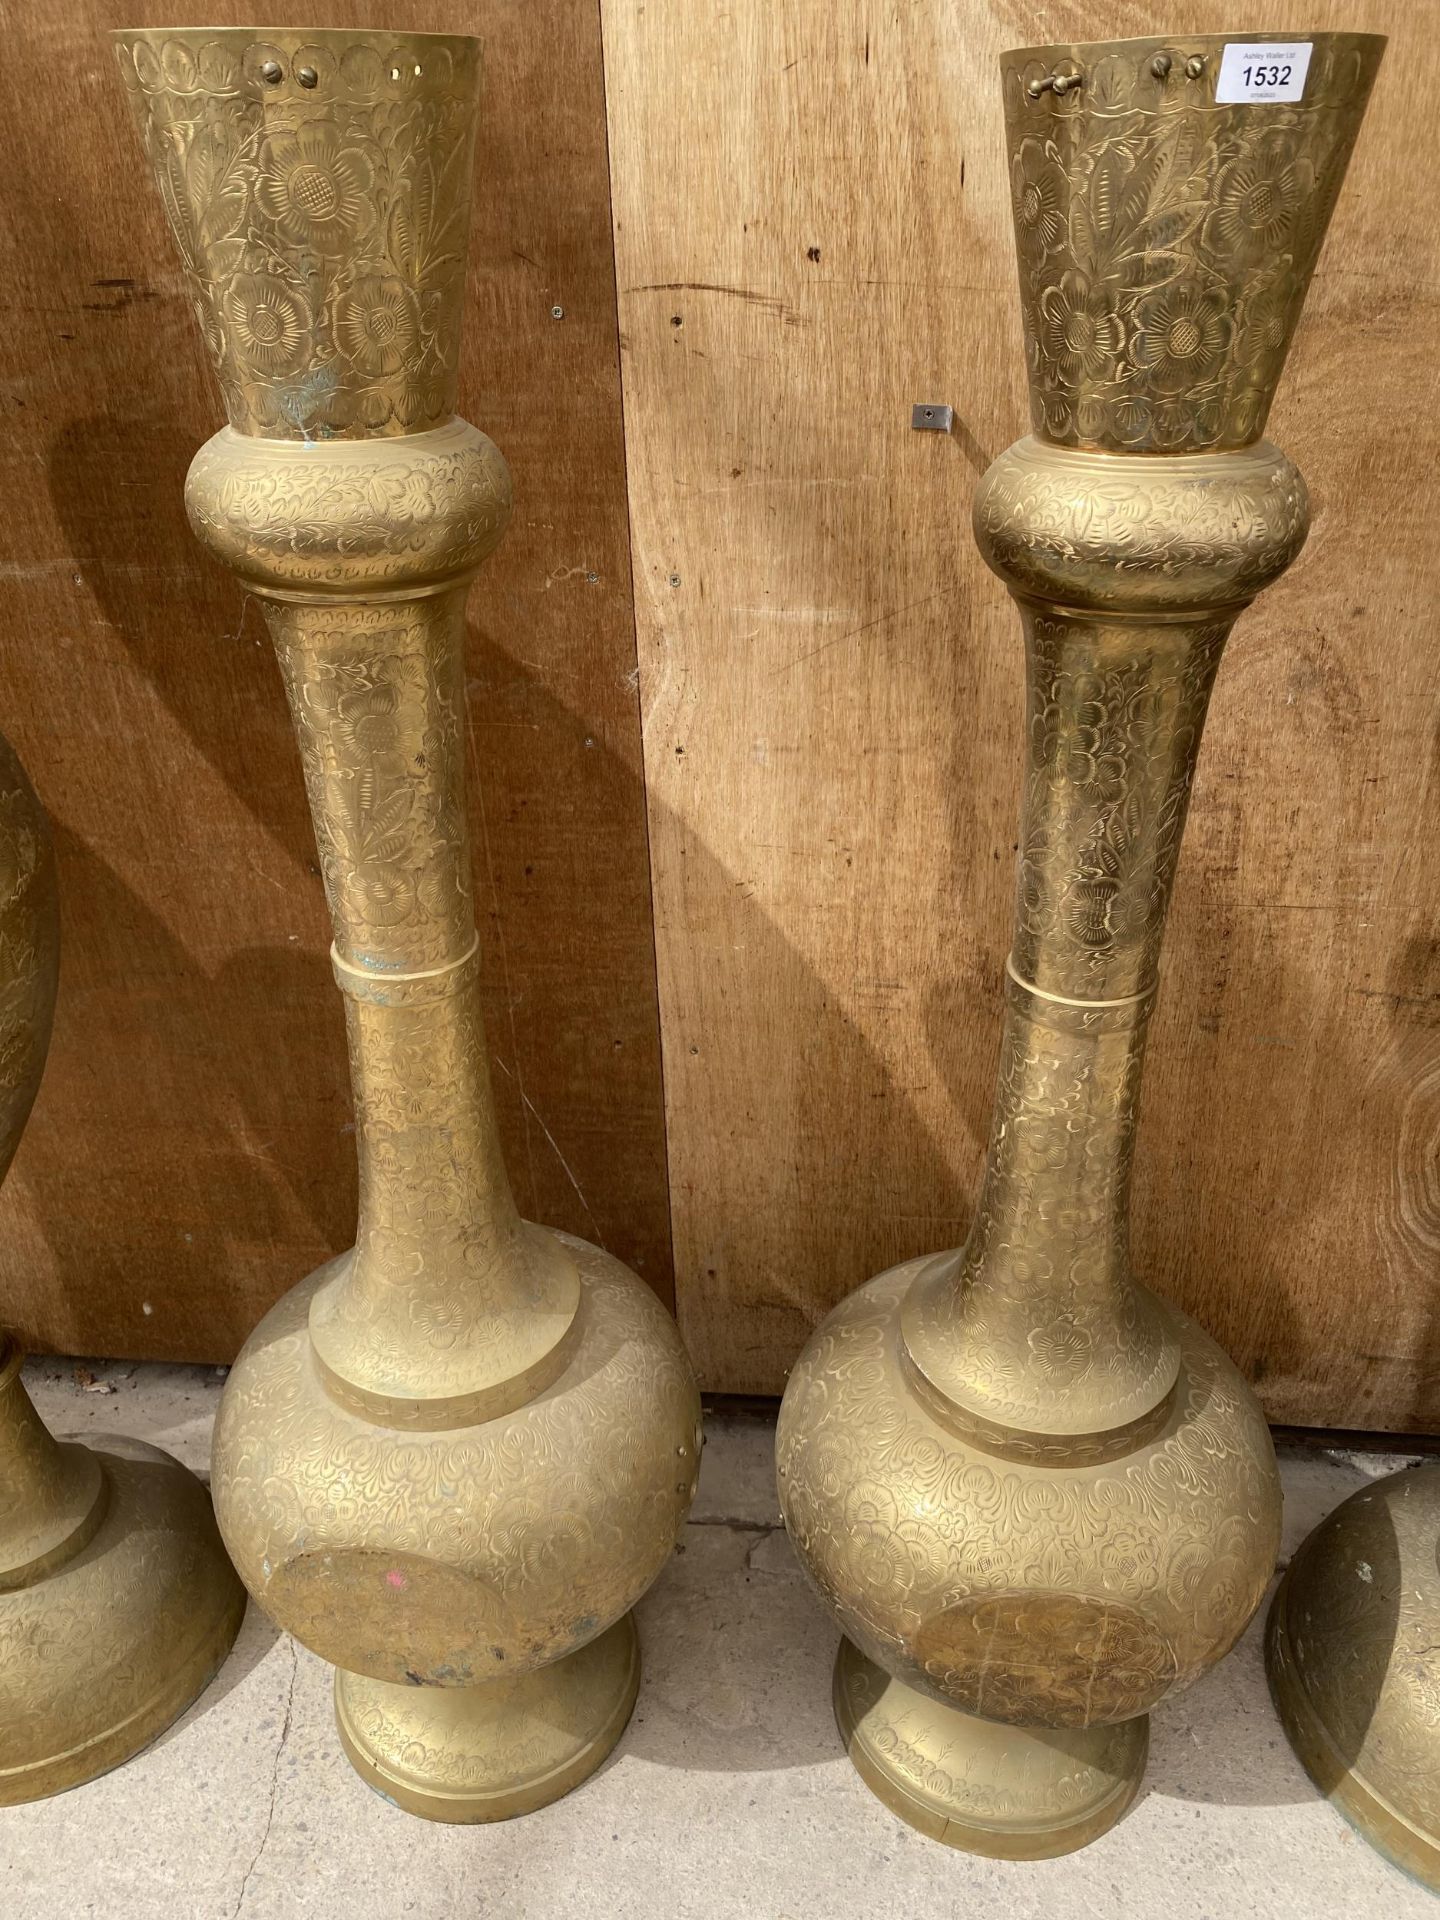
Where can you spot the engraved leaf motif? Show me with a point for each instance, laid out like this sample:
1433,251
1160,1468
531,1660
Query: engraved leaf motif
426,217
371,828
1142,215
385,824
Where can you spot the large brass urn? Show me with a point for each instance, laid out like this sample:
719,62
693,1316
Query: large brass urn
453,1459
117,1603
1039,1499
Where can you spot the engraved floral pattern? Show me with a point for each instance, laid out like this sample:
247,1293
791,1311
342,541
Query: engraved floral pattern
100,1655
307,520
1181,335
1112,744
1080,332
1039,193
1257,201
267,323
554,1518
1071,1593
377,709
323,230
378,323
316,187
1166,209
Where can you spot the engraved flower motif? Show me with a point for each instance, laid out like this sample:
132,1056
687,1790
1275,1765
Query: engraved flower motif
441,1318
391,1259
317,185
1127,1560
377,324
879,1564
1038,192
435,1204
1257,199
442,886
519,1516
1181,335
877,1553
871,1504
412,496
553,1550
376,721
267,323
383,894
1062,1348
1079,330
1088,917
1096,762
410,1057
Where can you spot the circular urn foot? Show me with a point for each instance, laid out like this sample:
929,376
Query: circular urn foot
1014,1793
99,1655
494,1751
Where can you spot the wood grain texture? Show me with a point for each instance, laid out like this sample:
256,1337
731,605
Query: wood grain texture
191,1155
812,232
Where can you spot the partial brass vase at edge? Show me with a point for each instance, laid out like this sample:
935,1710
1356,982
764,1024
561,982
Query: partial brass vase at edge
1352,1649
452,1460
117,1603
1037,1498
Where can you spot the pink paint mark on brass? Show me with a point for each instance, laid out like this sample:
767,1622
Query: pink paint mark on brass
397,1579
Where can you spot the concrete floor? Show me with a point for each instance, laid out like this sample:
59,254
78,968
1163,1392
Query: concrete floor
729,1795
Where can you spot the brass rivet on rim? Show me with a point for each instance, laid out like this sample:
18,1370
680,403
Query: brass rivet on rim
1057,83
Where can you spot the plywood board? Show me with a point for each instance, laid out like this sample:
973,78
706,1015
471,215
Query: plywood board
191,1155
812,232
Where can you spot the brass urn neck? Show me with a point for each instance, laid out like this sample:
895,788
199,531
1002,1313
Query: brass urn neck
1129,572
1166,242
449,1309
351,501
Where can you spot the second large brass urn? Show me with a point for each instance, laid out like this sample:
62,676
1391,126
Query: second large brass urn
1038,1499
452,1460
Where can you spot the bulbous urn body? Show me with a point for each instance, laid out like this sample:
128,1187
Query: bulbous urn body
1037,1498
1040,1580
451,1556
452,1460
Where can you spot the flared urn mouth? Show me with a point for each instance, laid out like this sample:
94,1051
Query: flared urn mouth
318,184
1170,199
